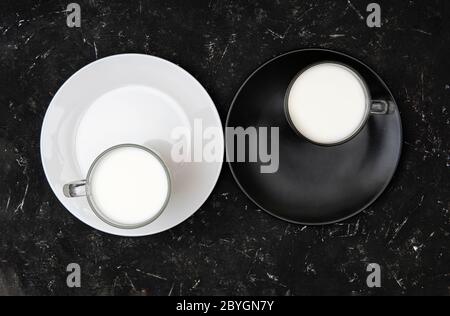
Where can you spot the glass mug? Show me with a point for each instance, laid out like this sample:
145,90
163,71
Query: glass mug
127,186
329,103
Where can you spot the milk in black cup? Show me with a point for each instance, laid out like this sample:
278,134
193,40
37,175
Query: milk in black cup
329,103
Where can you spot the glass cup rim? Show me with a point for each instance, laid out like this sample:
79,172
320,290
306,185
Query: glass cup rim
96,209
357,75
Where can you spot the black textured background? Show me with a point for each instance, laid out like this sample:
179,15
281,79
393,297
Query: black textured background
228,247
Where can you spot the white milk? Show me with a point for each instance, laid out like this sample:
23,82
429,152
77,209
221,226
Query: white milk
129,186
328,103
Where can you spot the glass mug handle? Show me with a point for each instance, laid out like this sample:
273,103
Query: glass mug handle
75,189
379,107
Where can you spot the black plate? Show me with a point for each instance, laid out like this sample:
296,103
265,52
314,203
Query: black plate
314,185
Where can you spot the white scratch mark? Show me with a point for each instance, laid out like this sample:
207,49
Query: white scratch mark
22,203
171,289
397,231
151,275
421,79
131,282
422,31
355,9
272,277
95,50
195,285
279,36
407,94
421,200
7,203
224,53
28,39
6,30
399,281
46,54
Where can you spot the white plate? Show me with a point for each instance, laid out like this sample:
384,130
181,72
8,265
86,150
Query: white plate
136,99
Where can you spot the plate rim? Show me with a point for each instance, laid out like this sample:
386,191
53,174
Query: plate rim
214,110
323,223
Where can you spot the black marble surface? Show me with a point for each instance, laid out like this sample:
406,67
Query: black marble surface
229,246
